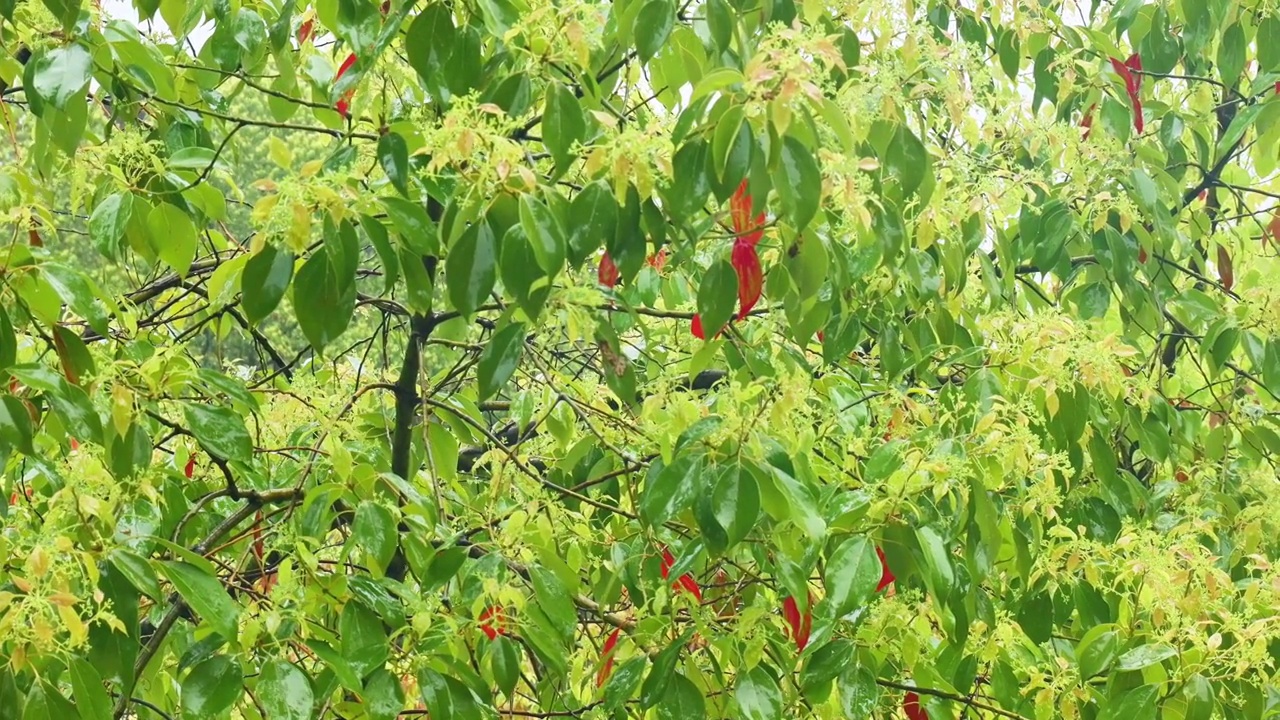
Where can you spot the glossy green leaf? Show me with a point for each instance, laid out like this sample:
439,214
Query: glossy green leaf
471,268
717,297
851,574
546,236
500,359
61,74
1144,656
563,123
859,693
206,595
220,431
653,27
86,687
758,695
322,303
383,696
374,532
682,701
284,691
393,156
594,218
364,639
108,222
447,698
1096,652
174,237
670,490
264,281
212,686
798,182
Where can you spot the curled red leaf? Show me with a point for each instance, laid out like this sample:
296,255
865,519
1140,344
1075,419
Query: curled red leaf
608,273
747,229
1132,84
911,706
74,445
1142,255
696,328
886,575
658,260
344,103
304,31
685,581
190,469
606,654
1226,271
750,277
799,625
493,623
1087,122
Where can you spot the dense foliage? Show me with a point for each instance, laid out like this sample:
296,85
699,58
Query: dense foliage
728,358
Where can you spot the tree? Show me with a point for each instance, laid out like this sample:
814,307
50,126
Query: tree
739,358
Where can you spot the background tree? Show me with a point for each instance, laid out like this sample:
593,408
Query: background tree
735,358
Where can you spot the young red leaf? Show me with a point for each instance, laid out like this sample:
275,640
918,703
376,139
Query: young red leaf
685,581
748,229
696,329
190,469
608,273
1226,271
911,706
606,654
304,31
33,238
386,7
344,103
658,260
799,625
1087,122
74,445
1132,84
750,276
886,575
1273,230
1142,255
493,623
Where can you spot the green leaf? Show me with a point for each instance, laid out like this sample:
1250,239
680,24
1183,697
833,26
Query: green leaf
15,424
77,412
173,236
1096,652
859,694
212,687
411,222
264,281
798,182
206,595
363,636
138,572
61,74
662,671
554,600
717,297
682,701
393,156
546,237
594,214
504,662
8,341
74,289
1198,692
428,44
938,562
690,181
735,502
1145,656
622,685
721,21
108,222
1136,704
374,532
653,27
671,489
500,358
851,574
447,698
563,124
220,431
383,696
1231,51
906,161
86,686
284,691
1269,51
323,304
758,695
471,268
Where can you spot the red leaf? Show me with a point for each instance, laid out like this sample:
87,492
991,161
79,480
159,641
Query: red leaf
1087,122
608,273
1132,83
1180,475
190,469
606,653
1226,272
820,337
258,549
1273,229
658,260
493,623
750,276
748,231
911,706
696,329
386,7
800,625
304,31
64,357
886,575
344,103
33,238
74,445
1142,255
685,581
